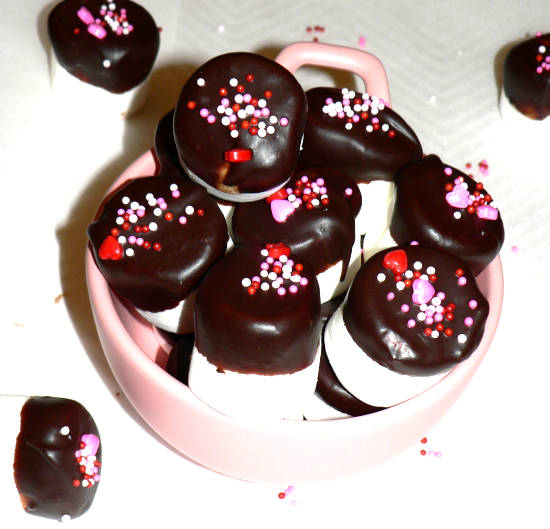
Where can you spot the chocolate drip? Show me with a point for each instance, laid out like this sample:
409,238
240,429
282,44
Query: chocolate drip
154,279
202,145
45,466
366,156
330,389
323,236
264,333
166,152
378,313
115,62
422,213
527,89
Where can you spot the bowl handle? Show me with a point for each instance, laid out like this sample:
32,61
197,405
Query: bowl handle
365,65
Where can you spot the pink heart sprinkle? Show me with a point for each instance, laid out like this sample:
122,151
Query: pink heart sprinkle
487,212
458,197
423,291
281,209
92,442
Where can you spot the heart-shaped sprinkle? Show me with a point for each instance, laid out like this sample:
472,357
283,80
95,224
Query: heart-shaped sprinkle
396,261
281,209
487,212
110,249
92,443
423,291
458,197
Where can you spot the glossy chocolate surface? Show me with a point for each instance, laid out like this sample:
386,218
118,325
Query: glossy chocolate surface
264,332
526,79
330,389
388,309
87,44
322,235
273,95
191,231
431,207
47,474
334,139
179,359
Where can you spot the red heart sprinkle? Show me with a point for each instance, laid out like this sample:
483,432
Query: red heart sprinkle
396,261
110,249
276,250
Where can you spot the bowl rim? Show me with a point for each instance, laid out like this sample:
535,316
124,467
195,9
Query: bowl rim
109,321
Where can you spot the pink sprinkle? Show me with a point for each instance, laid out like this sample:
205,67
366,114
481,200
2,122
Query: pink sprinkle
257,113
204,112
211,118
472,304
255,279
414,243
429,321
293,289
348,191
390,296
264,266
438,317
281,291
320,181
85,15
441,295
247,98
411,323
225,102
97,31
462,281
304,281
120,211
270,259
362,42
183,219
265,112
132,239
328,100
176,194
404,308
284,122
140,212
448,171
468,321
323,190
290,262
304,179
515,248
163,205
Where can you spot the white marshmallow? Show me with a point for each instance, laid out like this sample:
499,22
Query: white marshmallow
366,379
330,285
73,93
251,396
178,319
373,218
316,409
10,417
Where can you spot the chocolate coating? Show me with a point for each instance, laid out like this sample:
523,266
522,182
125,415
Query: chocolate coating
179,359
154,279
423,212
330,389
202,145
264,332
380,325
165,151
322,236
527,89
375,155
130,57
45,465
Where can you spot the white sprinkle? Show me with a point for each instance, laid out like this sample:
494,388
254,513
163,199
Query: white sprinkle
348,126
264,286
125,200
238,98
262,133
542,49
226,121
400,285
157,212
276,284
385,127
295,279
417,265
369,128
421,316
435,334
153,226
436,301
130,252
315,202
270,129
66,518
283,258
189,210
201,81
457,215
264,252
262,103
133,218
461,338
106,63
65,430
221,109
149,196
119,220
423,307
228,111
273,119
424,277
272,276
173,187
381,277
234,133
261,125
246,282
408,274
263,273
249,109
430,270
233,81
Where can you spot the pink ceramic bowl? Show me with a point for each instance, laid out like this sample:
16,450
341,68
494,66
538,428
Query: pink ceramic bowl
283,451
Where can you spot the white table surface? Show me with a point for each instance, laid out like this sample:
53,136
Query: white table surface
487,463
